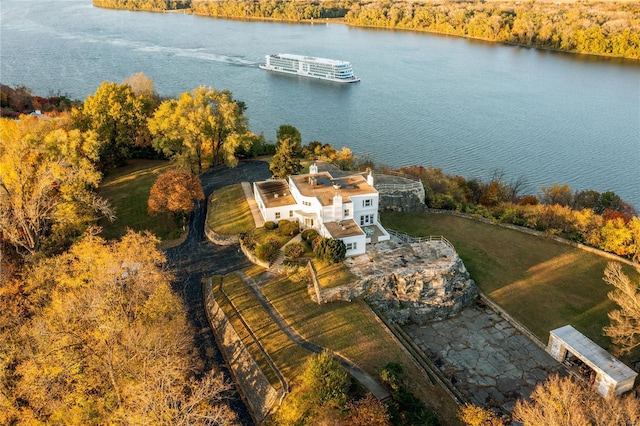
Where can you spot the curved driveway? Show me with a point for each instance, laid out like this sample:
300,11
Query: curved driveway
197,258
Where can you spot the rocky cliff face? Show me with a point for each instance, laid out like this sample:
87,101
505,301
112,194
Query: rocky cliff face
410,283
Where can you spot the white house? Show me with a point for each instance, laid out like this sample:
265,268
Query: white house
343,208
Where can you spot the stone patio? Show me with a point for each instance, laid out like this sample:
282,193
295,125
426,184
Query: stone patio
485,357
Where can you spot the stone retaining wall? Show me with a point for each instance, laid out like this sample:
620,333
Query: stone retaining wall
259,395
402,200
221,240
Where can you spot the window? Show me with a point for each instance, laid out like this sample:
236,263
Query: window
351,246
306,203
277,215
367,203
346,212
366,219
290,213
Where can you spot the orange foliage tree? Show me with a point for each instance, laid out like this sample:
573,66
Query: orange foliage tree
176,192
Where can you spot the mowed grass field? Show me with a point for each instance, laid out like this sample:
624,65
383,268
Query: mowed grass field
229,212
350,329
542,283
127,189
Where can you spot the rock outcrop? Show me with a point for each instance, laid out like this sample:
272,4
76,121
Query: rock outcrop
410,283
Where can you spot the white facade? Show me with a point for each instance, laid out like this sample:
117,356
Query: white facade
342,208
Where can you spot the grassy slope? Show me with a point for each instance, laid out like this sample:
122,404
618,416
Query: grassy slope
351,330
229,212
127,189
542,283
347,328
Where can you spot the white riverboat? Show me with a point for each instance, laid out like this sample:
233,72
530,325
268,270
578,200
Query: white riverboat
308,66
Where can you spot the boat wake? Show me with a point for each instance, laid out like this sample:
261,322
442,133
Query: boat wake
201,53
100,37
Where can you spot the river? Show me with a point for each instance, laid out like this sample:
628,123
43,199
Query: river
470,108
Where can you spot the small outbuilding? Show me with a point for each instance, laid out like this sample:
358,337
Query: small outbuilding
611,376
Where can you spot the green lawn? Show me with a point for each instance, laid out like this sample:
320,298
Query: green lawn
542,283
229,212
347,328
333,275
127,189
288,357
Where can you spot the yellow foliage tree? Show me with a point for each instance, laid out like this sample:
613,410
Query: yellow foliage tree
473,415
109,342
624,328
565,402
47,178
203,128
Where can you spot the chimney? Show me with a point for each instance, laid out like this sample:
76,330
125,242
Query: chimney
370,178
313,169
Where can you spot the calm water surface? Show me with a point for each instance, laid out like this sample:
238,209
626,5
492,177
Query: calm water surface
468,107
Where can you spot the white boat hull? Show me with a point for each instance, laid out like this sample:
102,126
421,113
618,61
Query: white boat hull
310,67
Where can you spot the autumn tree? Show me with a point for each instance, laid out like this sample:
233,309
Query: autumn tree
47,178
624,327
202,129
109,342
144,88
368,411
117,116
472,415
565,402
286,160
176,192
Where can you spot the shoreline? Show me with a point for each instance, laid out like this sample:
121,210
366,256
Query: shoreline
327,21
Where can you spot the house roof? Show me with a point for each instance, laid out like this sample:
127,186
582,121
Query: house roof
275,193
344,228
583,347
323,186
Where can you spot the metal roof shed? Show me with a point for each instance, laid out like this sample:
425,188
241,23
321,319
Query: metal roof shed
612,376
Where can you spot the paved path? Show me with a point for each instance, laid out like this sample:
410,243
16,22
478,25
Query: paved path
485,357
197,258
360,375
257,217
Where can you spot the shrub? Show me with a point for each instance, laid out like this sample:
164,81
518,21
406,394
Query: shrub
392,376
315,242
309,235
248,240
288,228
409,407
294,250
326,381
268,251
330,250
270,225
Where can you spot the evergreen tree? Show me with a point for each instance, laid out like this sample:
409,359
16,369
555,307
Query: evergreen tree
286,160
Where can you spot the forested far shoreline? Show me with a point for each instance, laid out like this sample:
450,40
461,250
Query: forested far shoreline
592,28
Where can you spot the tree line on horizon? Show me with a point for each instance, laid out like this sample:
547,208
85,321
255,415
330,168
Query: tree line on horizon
607,28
